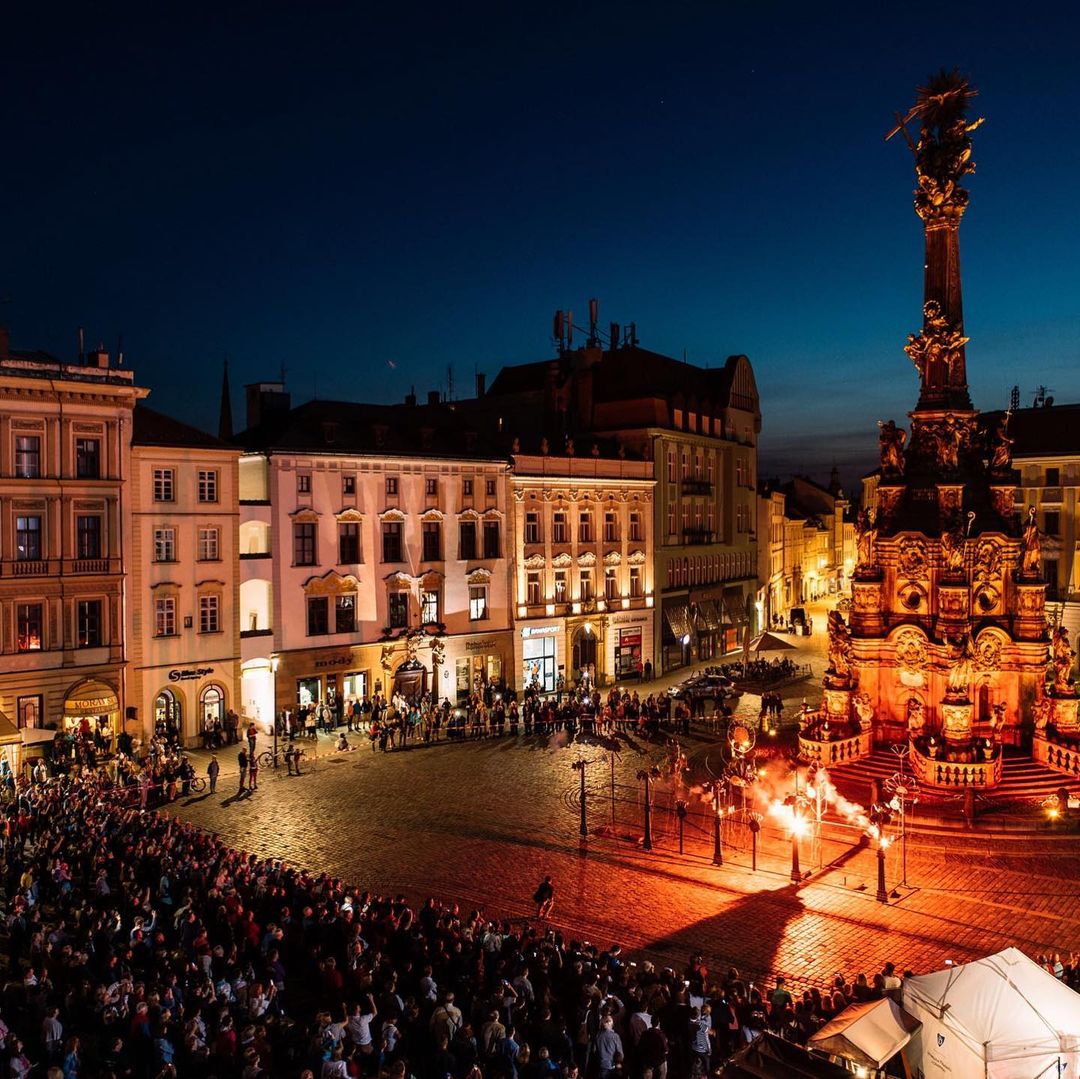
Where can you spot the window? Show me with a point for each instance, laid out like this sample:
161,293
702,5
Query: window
208,485
611,528
532,589
345,613
710,519
491,539
489,488
685,464
635,581
429,606
303,483
466,488
304,543
165,616
1053,477
671,466
29,627
585,582
697,465
209,550
635,527
558,527
391,485
709,473
348,485
740,472
88,536
431,537
532,527
28,456
391,541
478,608
1052,522
164,490
467,540
740,518
318,619
27,539
585,528
209,614
398,609
560,586
88,458
611,583
348,543
164,544
431,488
671,519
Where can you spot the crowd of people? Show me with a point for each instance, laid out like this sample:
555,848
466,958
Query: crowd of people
761,671
139,946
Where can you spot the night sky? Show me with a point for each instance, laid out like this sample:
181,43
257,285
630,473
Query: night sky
339,188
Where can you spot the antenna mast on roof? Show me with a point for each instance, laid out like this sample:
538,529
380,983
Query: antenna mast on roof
281,377
449,382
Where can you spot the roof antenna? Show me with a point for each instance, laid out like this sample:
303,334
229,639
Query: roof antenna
281,376
120,350
82,345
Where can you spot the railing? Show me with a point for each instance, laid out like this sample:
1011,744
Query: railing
89,565
256,554
696,487
697,536
835,752
955,775
256,633
1051,494
28,568
1059,755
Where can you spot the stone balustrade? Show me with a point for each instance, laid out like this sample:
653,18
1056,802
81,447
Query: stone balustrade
1061,756
955,775
835,751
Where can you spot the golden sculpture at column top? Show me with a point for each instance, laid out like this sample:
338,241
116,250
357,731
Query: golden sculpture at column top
943,150
1062,657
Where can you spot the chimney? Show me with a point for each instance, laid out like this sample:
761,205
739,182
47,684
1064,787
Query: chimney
481,384
433,397
613,336
267,403
5,344
97,357
410,397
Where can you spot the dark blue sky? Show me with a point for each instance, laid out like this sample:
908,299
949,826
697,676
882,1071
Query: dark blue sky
335,186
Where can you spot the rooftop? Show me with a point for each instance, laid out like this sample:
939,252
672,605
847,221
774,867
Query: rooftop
152,428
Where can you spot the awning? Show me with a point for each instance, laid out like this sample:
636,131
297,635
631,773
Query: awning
709,615
9,733
90,698
678,620
769,642
735,606
768,1056
33,735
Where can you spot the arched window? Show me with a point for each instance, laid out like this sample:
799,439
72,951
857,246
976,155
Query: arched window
168,710
212,704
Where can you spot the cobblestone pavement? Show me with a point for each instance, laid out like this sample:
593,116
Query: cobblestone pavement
481,822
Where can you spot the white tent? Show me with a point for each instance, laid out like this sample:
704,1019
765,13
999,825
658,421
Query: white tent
1002,1017
869,1034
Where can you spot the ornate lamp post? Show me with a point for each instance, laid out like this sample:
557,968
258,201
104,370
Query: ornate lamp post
717,788
274,661
902,787
755,827
880,816
799,805
579,767
647,775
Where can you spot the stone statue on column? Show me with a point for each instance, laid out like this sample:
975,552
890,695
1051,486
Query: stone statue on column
1062,658
961,668
865,540
1001,446
891,441
1031,556
839,669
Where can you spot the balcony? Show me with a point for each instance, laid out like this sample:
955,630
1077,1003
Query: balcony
697,537
246,633
26,568
696,487
89,565
255,554
1051,495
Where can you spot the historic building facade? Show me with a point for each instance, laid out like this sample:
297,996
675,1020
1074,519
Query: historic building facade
65,432
584,595
184,577
698,428
374,555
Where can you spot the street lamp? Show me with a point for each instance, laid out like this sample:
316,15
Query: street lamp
648,775
274,661
717,787
579,767
880,816
798,805
755,827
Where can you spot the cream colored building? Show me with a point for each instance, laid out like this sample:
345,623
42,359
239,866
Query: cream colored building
65,431
184,579
584,592
374,553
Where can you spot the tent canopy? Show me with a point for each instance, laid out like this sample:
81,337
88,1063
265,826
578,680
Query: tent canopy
770,1057
1003,1017
868,1034
9,733
769,642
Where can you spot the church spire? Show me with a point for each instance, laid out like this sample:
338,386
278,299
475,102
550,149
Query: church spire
225,424
942,160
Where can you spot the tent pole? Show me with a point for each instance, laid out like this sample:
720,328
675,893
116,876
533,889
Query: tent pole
904,1061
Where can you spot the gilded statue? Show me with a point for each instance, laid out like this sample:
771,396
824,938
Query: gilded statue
1001,446
1031,555
936,351
865,539
952,550
949,436
1062,657
839,647
961,667
891,440
916,716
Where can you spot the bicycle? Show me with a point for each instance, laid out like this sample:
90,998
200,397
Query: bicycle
197,784
268,759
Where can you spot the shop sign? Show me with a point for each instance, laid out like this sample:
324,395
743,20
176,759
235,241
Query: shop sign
629,638
480,646
539,631
333,661
186,674
629,618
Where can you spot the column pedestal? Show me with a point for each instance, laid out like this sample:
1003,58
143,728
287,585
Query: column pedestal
867,606
1030,621
956,723
1063,714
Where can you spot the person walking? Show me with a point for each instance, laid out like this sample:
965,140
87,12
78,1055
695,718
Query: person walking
242,760
253,772
544,897
213,769
252,734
